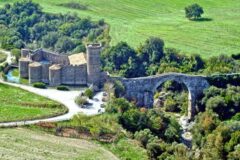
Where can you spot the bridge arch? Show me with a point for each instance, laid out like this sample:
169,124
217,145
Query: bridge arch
142,89
191,105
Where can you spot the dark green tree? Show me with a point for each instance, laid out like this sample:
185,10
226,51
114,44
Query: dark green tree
152,50
194,11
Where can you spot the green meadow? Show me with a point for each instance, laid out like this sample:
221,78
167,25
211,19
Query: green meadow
17,104
134,21
20,143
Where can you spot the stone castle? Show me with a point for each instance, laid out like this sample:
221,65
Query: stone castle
54,69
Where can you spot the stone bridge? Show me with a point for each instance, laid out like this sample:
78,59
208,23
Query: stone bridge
142,89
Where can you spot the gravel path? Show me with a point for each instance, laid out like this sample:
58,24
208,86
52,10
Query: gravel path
64,97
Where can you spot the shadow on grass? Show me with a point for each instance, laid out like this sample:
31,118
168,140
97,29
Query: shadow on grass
202,19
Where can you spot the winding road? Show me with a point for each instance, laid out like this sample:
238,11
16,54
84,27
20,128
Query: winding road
64,97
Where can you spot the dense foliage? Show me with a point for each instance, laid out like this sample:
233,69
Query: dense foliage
151,127
224,102
152,58
222,81
23,24
172,97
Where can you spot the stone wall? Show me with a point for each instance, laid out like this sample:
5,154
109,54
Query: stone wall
142,89
55,58
74,75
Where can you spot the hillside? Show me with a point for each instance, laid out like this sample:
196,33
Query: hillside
26,144
17,104
134,21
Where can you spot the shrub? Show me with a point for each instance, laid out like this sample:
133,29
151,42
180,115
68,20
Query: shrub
236,56
17,53
40,85
171,105
144,136
89,93
62,88
80,100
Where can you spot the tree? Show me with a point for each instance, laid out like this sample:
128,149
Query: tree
152,50
119,55
118,105
64,45
50,39
133,120
193,11
144,136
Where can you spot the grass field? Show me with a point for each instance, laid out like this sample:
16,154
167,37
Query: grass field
2,57
22,144
134,21
17,104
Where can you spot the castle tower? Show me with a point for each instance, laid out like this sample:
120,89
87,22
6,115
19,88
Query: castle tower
23,67
55,75
25,53
35,72
93,64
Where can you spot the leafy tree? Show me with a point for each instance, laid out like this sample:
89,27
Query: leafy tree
118,105
172,133
64,45
152,50
133,120
144,136
194,11
50,40
119,55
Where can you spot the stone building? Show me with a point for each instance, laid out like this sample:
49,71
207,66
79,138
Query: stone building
77,69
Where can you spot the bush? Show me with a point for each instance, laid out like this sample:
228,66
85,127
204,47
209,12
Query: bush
144,136
62,88
40,85
80,100
17,53
89,93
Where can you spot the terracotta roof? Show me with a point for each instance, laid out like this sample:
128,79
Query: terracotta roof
55,67
77,59
24,59
35,64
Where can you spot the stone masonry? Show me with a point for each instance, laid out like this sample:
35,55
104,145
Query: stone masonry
142,89
78,69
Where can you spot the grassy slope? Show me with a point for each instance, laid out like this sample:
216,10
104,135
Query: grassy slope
26,144
13,105
134,21
127,149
